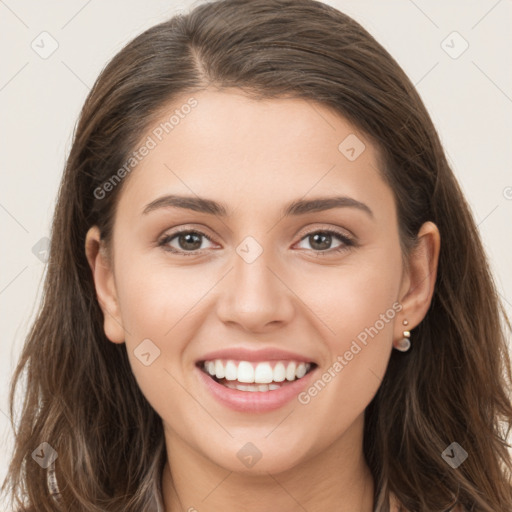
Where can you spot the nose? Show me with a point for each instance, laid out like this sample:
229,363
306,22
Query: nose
255,296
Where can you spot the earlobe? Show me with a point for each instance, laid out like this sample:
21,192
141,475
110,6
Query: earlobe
421,275
106,293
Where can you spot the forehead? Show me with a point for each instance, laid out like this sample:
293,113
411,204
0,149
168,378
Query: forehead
253,153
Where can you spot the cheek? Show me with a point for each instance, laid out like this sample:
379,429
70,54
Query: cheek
154,297
155,306
352,296
360,311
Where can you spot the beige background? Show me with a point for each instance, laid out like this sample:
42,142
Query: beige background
469,98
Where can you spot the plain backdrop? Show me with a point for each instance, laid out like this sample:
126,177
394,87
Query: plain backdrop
457,53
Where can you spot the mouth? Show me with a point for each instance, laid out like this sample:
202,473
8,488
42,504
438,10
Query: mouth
255,376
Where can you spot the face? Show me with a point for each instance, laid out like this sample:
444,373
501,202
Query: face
296,267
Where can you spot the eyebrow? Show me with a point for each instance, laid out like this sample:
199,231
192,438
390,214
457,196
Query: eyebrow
297,207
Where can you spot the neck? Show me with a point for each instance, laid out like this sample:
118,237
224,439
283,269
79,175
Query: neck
336,479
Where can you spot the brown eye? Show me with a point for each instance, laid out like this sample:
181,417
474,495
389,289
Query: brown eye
189,241
184,242
321,241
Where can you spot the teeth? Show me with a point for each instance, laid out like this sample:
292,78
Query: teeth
254,387
245,372
263,373
231,371
219,369
260,373
279,372
290,371
300,371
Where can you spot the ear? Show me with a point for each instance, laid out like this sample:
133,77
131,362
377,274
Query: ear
418,283
103,276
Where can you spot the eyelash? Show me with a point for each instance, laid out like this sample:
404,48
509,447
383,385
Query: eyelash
346,241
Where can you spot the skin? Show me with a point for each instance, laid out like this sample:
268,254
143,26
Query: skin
256,157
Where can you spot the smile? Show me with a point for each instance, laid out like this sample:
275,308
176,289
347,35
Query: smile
254,386
255,376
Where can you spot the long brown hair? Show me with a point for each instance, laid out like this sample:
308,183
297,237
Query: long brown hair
452,386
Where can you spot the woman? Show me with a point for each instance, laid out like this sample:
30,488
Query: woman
265,289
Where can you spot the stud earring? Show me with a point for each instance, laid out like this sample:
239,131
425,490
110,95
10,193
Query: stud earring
405,343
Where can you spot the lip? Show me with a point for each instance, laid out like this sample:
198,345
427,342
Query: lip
254,401
267,354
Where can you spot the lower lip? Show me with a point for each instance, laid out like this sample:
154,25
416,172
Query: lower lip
254,401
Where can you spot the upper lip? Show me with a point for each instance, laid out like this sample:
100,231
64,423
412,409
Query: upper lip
244,354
